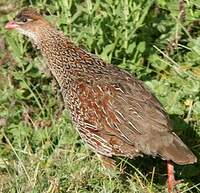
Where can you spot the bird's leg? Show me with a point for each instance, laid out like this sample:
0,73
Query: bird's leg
171,182
170,175
107,162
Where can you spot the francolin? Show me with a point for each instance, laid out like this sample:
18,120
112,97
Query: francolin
113,111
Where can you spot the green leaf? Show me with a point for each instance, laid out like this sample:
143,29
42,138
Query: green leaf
141,47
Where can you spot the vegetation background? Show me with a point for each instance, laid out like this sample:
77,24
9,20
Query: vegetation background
158,41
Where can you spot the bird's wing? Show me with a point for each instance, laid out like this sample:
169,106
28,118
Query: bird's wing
121,106
119,116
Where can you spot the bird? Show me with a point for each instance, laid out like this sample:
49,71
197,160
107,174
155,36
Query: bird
114,112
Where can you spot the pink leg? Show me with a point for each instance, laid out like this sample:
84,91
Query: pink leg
170,174
171,182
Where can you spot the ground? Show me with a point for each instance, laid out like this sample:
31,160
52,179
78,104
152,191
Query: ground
157,41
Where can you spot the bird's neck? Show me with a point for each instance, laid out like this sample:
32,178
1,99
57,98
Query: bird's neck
63,57
68,63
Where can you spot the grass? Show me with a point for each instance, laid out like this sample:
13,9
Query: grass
40,151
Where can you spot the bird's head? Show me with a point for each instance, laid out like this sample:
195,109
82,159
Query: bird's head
29,23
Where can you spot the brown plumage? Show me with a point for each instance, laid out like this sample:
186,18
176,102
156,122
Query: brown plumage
114,113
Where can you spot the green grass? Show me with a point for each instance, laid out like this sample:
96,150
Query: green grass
39,148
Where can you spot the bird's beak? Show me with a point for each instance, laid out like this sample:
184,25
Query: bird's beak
11,25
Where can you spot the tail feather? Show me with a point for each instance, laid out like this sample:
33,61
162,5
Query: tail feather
178,152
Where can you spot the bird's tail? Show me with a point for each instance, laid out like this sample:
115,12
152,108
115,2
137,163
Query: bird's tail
178,152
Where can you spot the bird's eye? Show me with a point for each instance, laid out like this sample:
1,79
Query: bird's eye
24,19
